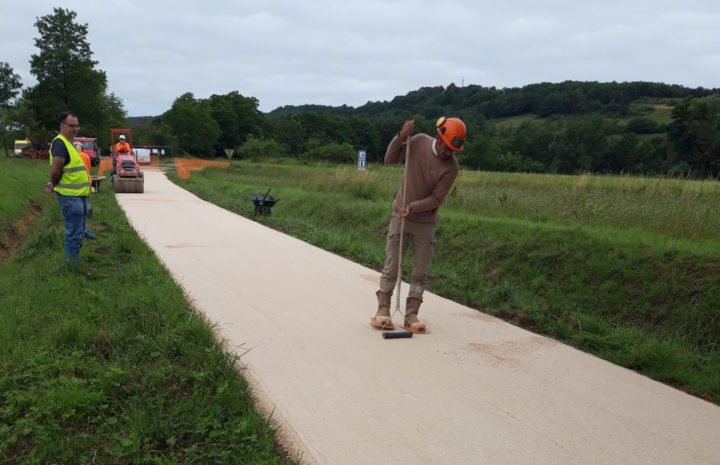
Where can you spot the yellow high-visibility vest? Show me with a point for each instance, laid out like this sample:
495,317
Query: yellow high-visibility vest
74,180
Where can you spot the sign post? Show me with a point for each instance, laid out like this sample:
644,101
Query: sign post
362,160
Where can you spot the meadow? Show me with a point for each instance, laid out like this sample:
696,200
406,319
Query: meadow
626,268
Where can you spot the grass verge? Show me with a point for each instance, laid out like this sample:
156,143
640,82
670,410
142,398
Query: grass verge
21,200
105,362
624,268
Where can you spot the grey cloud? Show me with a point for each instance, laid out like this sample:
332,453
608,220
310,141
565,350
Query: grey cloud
334,53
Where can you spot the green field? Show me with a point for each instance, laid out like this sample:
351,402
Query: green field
625,268
657,110
106,363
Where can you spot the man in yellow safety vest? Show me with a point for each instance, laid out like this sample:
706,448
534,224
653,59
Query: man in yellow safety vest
71,184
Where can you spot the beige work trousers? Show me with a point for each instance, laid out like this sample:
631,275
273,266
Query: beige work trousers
422,238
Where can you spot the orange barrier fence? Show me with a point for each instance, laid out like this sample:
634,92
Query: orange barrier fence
105,165
183,165
183,171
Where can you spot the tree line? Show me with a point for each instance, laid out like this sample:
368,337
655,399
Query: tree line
566,127
67,79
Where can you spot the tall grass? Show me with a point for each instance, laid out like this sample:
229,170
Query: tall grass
104,362
675,209
625,268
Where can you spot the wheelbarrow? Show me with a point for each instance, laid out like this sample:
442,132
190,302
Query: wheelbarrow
95,182
263,203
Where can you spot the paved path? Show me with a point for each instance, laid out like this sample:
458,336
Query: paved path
475,391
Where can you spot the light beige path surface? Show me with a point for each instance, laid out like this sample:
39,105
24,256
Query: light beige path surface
475,391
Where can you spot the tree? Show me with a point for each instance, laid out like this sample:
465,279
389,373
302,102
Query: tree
622,153
9,84
224,115
18,120
694,134
362,135
111,115
238,117
290,133
67,78
154,132
250,119
480,153
333,152
9,88
643,125
256,148
192,122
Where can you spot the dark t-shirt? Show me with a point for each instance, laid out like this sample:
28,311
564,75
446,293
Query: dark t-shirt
58,149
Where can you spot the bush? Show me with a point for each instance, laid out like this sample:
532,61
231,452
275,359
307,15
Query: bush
255,148
333,152
644,125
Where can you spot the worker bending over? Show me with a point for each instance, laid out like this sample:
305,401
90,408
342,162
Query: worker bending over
431,171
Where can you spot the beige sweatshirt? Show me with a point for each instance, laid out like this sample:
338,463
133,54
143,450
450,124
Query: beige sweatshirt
429,177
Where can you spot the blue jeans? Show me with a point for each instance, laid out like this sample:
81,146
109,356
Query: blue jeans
73,211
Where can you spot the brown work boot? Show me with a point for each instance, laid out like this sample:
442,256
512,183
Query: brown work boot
382,319
412,324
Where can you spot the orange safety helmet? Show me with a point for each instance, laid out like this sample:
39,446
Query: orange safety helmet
452,131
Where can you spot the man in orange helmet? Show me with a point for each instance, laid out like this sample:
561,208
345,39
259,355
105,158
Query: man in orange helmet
429,174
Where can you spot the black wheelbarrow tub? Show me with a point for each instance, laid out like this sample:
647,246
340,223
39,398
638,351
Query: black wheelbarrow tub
262,200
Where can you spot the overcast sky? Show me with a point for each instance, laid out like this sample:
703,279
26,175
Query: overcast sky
350,52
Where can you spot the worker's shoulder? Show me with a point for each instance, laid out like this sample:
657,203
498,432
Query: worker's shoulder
58,148
421,144
421,138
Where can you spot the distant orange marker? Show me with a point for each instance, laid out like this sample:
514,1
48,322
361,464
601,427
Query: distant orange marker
185,165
